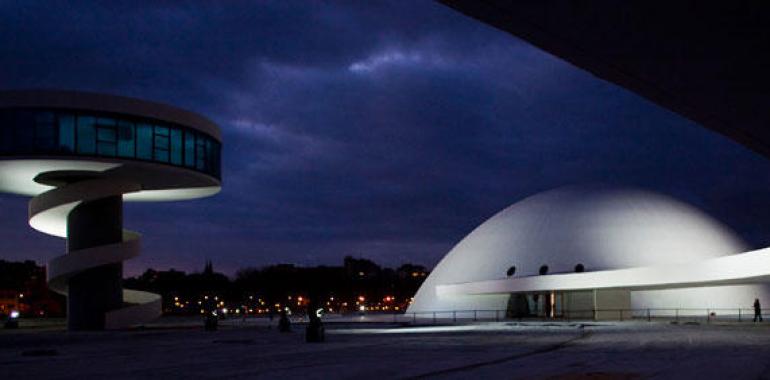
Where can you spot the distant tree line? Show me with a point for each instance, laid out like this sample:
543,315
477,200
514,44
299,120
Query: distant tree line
358,282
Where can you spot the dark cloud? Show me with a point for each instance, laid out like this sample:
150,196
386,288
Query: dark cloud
385,130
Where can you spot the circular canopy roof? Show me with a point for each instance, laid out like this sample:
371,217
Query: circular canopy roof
171,153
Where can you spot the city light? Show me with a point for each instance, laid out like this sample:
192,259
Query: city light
248,303
14,314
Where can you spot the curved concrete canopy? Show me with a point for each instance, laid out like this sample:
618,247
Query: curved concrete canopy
158,182
704,60
160,178
739,269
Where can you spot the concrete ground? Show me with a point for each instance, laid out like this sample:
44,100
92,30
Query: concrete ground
531,350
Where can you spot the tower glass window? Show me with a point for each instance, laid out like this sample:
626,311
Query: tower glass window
67,133
106,137
126,143
33,131
86,135
144,141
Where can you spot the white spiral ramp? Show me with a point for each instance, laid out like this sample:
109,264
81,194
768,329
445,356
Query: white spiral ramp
48,213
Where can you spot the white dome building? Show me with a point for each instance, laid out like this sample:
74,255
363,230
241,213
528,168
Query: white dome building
597,229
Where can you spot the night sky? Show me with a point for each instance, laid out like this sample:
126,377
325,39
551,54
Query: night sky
386,131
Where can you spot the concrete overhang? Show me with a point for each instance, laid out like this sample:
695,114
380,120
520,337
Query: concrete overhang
744,268
707,61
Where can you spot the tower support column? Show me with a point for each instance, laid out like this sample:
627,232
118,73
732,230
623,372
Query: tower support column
95,291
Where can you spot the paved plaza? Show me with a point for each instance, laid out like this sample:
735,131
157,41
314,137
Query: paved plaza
532,350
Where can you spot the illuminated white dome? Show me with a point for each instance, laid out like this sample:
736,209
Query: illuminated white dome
598,227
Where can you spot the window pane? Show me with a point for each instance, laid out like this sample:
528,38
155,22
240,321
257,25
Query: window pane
24,128
144,141
106,148
44,117
161,142
106,121
125,139
45,132
67,133
106,134
189,149
209,155
86,135
200,153
161,155
162,131
176,146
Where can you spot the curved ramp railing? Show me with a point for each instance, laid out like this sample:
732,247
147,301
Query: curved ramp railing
48,214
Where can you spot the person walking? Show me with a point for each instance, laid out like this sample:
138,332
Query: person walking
757,310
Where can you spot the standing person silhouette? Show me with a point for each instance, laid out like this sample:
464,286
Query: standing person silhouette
757,310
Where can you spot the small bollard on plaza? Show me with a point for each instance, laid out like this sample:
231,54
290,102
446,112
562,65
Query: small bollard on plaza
211,322
315,332
284,325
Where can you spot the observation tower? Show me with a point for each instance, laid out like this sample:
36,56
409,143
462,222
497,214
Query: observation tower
80,156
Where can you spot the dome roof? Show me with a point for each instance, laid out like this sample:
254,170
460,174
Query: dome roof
597,227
